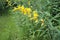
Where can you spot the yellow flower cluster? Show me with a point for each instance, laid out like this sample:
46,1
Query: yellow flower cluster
27,11
23,9
35,16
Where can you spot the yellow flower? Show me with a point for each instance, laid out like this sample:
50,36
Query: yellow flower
19,7
24,11
22,8
35,14
28,10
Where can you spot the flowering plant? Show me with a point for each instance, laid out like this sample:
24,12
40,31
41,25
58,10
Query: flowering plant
30,20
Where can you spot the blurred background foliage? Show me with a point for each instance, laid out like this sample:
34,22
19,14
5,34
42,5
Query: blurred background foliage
16,26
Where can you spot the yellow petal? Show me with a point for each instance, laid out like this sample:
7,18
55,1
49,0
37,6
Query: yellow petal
35,14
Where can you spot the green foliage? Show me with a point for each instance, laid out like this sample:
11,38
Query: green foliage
16,26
